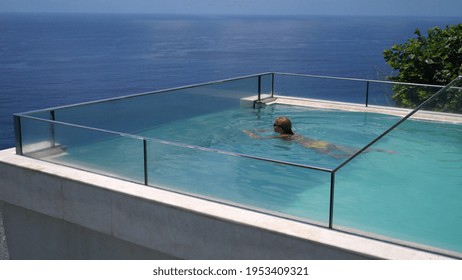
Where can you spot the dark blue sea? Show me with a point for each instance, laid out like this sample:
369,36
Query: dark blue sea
57,59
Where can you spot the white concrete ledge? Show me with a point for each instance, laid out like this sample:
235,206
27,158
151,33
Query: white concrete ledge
353,107
175,224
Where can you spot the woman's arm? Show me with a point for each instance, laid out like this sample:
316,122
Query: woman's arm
251,134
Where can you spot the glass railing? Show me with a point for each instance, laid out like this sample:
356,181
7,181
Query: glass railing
406,207
136,113
86,148
247,181
359,91
104,136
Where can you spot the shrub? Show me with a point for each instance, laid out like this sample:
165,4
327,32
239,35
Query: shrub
435,59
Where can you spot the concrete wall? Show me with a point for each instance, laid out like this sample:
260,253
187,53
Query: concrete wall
55,212
4,255
36,236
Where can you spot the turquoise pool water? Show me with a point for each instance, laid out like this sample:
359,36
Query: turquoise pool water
407,187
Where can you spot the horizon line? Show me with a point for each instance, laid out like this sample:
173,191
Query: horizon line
227,14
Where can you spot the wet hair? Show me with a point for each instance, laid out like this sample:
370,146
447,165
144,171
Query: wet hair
286,125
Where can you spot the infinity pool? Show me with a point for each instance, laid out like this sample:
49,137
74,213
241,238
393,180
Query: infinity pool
407,187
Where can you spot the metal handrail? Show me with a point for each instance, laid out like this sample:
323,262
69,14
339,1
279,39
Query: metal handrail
358,80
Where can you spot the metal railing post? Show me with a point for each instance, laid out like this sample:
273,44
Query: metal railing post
272,84
367,93
145,161
52,128
18,134
259,87
331,201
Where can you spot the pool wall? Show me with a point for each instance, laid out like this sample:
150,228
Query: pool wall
56,212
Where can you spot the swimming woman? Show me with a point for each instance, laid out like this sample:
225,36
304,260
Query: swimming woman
283,126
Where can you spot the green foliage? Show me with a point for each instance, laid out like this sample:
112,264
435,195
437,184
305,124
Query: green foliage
435,59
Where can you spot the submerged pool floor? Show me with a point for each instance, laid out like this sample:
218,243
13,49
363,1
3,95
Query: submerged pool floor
407,187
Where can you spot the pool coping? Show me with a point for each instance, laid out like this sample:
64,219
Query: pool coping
353,107
360,246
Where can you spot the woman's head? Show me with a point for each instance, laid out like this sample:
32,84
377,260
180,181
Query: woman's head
283,125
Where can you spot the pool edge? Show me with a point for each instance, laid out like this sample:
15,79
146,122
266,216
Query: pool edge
175,224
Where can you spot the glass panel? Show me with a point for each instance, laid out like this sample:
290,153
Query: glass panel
352,91
448,101
95,151
232,90
36,135
399,95
266,85
139,113
46,114
411,96
412,194
381,94
275,188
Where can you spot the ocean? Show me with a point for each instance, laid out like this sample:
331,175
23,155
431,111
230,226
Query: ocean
49,60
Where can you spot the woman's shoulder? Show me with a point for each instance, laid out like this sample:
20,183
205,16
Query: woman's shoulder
286,136
295,137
